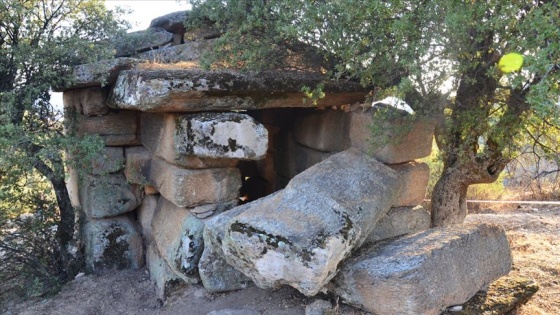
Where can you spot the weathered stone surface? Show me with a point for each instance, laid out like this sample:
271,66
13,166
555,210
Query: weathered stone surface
178,236
73,186
221,135
425,272
320,307
196,90
415,176
189,51
90,101
400,136
108,195
205,211
400,221
109,160
191,188
216,274
162,276
116,129
324,130
162,136
112,243
146,213
137,167
99,73
503,297
301,234
141,41
292,158
229,311
172,22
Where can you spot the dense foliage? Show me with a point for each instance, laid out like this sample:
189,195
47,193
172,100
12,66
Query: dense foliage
39,42
440,56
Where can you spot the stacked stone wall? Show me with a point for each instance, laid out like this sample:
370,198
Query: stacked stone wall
230,178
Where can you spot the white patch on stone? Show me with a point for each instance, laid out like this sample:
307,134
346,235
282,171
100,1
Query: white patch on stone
186,252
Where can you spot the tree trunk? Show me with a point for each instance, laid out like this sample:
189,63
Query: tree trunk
449,199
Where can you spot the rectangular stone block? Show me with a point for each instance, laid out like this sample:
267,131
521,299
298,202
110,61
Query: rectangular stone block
146,213
160,135
178,235
221,135
399,137
112,243
109,160
292,158
161,275
425,272
415,176
109,195
90,101
116,129
400,221
137,166
195,187
323,130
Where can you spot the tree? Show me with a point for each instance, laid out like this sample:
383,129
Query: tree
40,40
440,56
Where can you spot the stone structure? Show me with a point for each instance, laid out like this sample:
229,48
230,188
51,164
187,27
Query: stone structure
229,178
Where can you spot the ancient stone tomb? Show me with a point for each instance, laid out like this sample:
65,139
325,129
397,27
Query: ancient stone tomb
227,178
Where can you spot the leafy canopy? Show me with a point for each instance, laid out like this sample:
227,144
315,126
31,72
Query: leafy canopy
436,54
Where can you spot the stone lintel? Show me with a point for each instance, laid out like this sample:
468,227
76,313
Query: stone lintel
189,90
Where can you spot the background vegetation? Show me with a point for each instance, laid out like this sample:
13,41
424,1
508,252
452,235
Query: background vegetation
40,40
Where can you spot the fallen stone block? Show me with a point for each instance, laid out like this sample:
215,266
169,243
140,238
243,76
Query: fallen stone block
194,187
324,130
216,274
398,138
137,165
108,195
163,137
112,243
425,272
162,276
300,235
400,221
178,236
415,176
90,101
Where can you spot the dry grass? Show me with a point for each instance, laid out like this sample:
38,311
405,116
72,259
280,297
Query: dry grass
169,66
534,237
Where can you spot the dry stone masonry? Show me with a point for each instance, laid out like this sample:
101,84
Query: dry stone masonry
232,179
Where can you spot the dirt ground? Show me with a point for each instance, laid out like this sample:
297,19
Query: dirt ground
534,236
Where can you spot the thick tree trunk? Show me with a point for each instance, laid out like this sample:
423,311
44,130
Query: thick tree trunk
449,200
449,197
